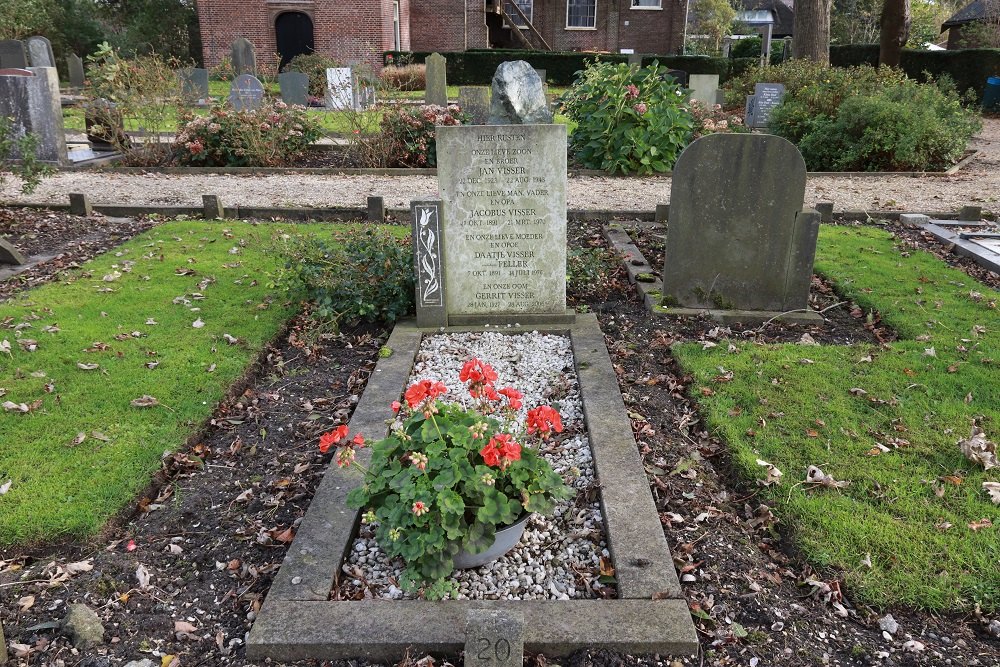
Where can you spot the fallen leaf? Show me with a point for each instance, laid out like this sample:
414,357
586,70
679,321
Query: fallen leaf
80,437
978,449
11,406
142,575
5,487
26,602
175,549
145,401
20,650
232,340
111,277
185,627
993,488
806,339
79,566
286,535
97,435
982,523
198,324
170,660
87,367
773,474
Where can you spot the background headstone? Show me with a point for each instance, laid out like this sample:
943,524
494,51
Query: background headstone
339,95
749,111
738,238
518,96
428,263
504,192
679,75
243,56
246,93
31,98
194,84
362,86
436,88
40,52
703,87
475,101
10,255
294,88
13,54
635,60
494,638
766,97
74,64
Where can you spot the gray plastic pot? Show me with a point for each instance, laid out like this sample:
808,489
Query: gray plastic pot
506,539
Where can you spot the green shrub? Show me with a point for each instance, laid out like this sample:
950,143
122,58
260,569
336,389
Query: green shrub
314,65
273,135
27,167
407,134
628,120
365,274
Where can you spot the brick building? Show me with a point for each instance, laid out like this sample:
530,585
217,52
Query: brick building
363,29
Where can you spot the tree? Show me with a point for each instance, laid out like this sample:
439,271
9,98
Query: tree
812,30
894,31
714,21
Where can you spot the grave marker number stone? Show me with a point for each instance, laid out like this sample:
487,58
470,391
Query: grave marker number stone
494,638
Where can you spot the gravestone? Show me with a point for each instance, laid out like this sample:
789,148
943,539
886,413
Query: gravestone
246,93
749,111
635,60
339,95
765,96
13,54
504,222
679,75
74,64
40,52
475,101
494,638
703,87
436,88
10,255
294,88
428,263
738,238
194,84
518,96
243,57
362,86
31,98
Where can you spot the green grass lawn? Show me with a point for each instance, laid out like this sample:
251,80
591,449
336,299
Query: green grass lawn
909,508
62,488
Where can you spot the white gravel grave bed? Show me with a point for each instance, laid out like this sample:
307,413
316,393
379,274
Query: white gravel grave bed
558,558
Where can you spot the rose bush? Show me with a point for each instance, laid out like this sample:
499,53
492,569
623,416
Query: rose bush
449,474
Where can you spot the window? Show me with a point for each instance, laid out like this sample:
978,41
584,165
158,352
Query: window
646,4
581,13
524,5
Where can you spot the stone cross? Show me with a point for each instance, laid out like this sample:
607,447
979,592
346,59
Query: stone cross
738,238
436,88
243,56
294,88
13,54
246,93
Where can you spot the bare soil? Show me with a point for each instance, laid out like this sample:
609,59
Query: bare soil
213,529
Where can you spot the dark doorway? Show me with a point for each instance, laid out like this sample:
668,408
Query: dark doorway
293,35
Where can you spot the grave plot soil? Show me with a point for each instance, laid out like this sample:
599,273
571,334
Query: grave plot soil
66,240
185,574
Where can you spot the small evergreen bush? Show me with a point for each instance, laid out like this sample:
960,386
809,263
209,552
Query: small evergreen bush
629,121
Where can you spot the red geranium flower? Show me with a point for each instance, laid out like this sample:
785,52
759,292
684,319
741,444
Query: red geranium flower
513,396
359,440
423,390
327,440
477,372
501,450
544,419
396,406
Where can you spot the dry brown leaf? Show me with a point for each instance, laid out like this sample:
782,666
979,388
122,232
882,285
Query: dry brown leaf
78,567
982,523
87,367
185,627
773,474
993,488
978,449
26,602
145,401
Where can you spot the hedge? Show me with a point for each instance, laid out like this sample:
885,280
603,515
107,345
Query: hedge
476,67
969,68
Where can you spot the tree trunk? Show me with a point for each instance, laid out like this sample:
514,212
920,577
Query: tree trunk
812,30
894,26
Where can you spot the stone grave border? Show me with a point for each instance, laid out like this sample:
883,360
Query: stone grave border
962,242
298,621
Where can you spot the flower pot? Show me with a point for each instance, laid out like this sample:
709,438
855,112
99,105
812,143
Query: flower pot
506,539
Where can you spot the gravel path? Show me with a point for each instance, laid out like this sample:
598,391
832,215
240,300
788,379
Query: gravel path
977,183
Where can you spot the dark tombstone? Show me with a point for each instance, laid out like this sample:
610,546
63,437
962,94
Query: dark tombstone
10,255
436,88
30,98
475,101
766,97
679,75
77,78
79,204
294,88
13,54
104,125
635,60
246,93
194,84
243,56
40,52
738,238
518,96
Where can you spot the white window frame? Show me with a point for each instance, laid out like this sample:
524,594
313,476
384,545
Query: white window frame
530,13
581,27
657,6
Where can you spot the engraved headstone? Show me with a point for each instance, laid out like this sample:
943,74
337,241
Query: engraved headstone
749,111
494,638
703,87
504,192
246,93
339,95
518,96
74,64
294,88
243,56
679,76
475,101
738,237
13,54
436,88
428,263
30,97
362,86
766,97
194,84
40,52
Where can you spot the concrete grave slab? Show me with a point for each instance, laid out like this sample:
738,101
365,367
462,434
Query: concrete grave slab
299,621
982,245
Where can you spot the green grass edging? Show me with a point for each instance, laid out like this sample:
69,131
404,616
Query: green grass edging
793,406
59,490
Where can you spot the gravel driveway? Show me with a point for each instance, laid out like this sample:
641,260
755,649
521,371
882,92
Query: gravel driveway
977,183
